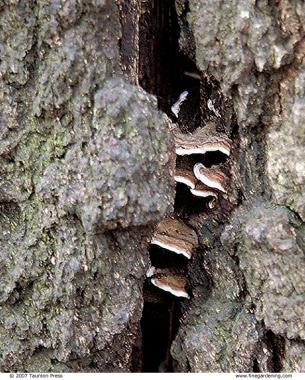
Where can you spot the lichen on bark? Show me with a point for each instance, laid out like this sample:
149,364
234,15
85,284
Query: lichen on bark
255,52
85,171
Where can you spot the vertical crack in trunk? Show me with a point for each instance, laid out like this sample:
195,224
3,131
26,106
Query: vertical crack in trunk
159,66
165,72
162,72
276,345
162,68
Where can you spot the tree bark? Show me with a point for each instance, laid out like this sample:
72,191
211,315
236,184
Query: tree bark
87,158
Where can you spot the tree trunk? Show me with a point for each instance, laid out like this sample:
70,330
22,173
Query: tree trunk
87,161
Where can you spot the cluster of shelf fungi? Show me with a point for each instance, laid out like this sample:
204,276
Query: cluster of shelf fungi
201,153
207,183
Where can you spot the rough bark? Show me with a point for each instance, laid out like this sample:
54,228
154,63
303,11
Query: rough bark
86,168
86,165
254,317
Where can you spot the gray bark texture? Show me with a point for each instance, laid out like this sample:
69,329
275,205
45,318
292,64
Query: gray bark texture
86,171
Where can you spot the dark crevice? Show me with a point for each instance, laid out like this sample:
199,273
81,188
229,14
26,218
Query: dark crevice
276,345
164,72
187,204
255,366
158,51
162,258
160,323
208,159
162,67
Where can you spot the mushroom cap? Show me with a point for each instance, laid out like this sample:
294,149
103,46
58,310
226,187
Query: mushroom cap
175,236
202,190
211,177
201,142
197,188
185,176
173,284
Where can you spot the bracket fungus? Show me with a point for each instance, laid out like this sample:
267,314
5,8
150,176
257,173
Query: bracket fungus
175,236
201,142
173,283
206,182
211,177
186,176
201,190
197,188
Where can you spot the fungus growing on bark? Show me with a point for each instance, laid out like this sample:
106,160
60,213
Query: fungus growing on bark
175,236
201,190
197,188
211,177
201,142
176,106
185,176
174,284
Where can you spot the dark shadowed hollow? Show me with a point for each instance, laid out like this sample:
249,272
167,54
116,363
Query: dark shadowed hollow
162,72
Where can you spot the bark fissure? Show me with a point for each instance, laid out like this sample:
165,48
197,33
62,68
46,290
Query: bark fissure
170,73
160,73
